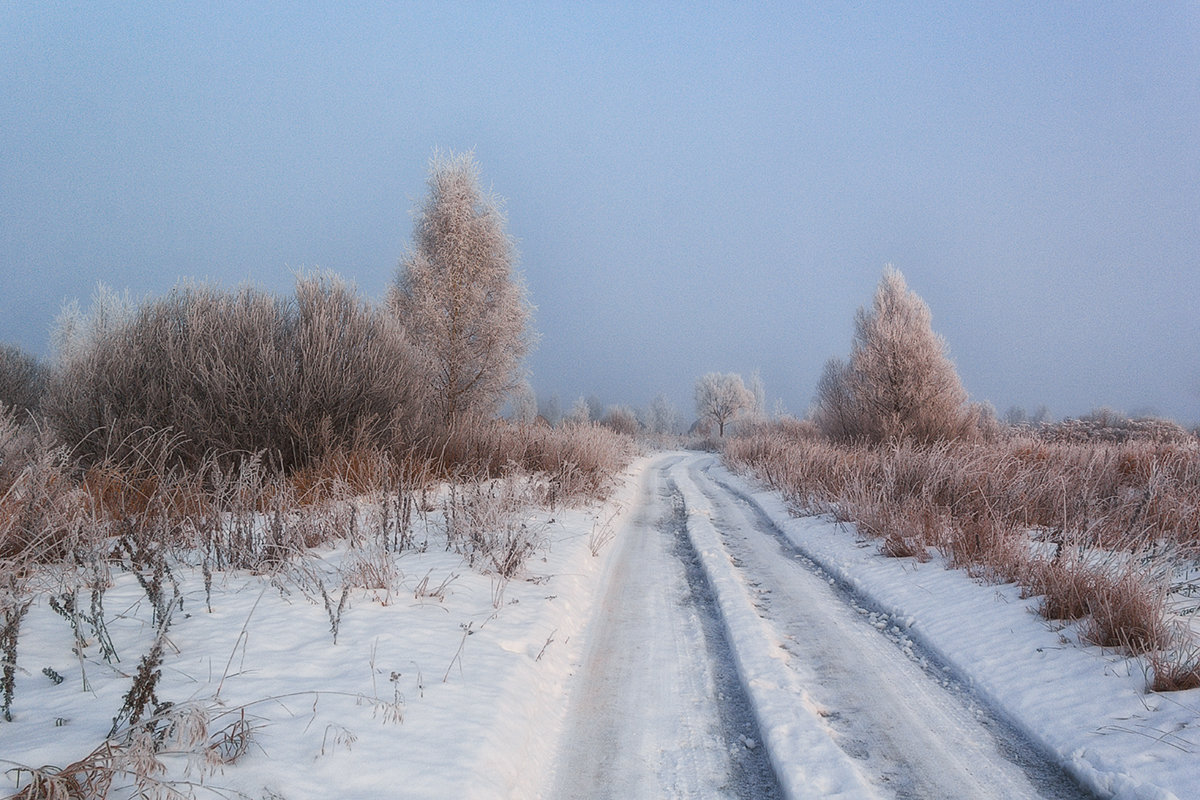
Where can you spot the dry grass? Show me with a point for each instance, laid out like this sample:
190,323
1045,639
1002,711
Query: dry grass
133,761
1176,670
580,460
1100,507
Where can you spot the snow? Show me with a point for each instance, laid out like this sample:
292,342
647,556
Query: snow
656,709
466,695
807,761
419,697
1087,707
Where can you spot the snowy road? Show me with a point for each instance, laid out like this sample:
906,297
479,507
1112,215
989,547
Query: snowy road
657,710
711,625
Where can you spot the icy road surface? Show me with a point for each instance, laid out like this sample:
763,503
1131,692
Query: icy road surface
712,626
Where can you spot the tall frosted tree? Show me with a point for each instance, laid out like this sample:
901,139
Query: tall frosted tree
900,381
459,298
722,398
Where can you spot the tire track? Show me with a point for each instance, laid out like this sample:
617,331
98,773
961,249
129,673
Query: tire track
915,733
657,710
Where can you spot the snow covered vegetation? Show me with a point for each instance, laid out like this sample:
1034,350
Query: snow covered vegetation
1103,526
305,448
273,547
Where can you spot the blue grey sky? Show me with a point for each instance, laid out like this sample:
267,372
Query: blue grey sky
694,186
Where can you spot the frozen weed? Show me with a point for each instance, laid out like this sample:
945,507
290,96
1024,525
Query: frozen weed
438,592
1176,669
1116,509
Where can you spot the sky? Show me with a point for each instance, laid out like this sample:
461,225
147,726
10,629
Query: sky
693,187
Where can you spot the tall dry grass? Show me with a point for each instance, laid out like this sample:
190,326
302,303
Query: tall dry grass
1089,524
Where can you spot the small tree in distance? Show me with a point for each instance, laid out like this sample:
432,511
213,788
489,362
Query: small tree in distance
721,398
660,418
899,382
458,298
621,419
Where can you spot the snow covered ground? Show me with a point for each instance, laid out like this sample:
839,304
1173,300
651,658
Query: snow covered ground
452,683
1085,707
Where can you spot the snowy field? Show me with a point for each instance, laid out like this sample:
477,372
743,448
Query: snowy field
445,682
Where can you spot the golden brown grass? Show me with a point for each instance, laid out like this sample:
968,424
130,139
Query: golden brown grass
1096,508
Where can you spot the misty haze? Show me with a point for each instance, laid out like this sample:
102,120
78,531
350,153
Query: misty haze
457,400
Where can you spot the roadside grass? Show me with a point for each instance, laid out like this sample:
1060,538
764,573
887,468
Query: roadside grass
1097,527
67,526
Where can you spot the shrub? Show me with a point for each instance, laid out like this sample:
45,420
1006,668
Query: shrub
622,420
22,380
230,373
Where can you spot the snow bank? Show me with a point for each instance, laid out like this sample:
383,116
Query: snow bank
807,762
457,695
1085,707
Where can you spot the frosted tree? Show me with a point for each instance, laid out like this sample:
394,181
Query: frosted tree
580,412
458,296
621,419
836,412
758,391
522,404
22,380
899,382
661,416
721,398
595,408
551,410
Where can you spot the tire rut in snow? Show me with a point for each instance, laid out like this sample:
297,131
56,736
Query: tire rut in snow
657,709
750,766
1050,780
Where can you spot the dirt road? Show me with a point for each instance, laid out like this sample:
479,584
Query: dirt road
676,681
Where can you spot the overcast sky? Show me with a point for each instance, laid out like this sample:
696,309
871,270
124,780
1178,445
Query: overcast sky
694,187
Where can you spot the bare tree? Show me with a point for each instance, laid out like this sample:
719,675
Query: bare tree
458,296
900,381
836,411
720,398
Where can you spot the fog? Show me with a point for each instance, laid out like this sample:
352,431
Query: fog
692,188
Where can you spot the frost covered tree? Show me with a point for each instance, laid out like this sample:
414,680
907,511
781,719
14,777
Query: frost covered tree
758,391
522,404
459,298
661,417
22,379
551,410
720,398
580,412
836,412
899,381
621,419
